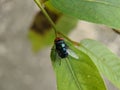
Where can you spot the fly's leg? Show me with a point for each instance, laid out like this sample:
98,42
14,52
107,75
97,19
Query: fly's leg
58,58
55,56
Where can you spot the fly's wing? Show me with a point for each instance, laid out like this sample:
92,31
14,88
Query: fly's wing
72,54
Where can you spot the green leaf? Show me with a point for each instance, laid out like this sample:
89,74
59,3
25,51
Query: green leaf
65,24
76,74
107,62
98,11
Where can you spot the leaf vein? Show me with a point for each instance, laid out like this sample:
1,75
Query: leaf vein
73,74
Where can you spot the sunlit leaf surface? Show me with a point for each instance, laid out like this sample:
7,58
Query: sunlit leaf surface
107,62
76,74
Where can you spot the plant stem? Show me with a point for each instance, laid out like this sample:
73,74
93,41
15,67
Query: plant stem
46,14
52,23
75,43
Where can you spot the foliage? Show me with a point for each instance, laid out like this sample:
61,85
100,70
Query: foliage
107,62
98,11
76,74
94,59
38,41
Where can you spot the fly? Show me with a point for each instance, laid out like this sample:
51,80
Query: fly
61,47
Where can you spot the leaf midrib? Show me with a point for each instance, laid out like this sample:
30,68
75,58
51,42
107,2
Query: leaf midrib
73,75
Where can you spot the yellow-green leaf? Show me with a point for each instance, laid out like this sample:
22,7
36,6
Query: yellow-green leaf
107,62
76,74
